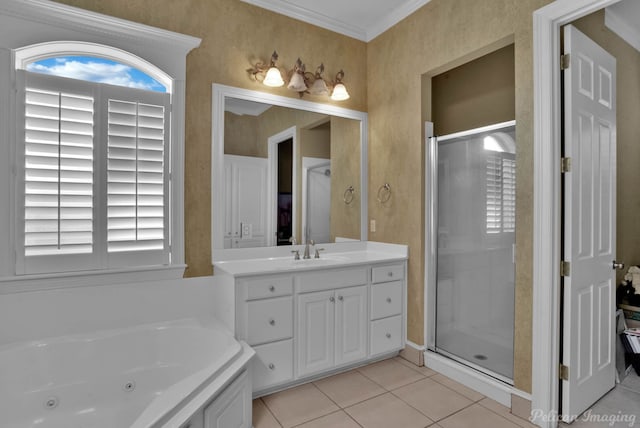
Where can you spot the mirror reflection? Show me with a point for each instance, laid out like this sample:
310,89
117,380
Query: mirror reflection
287,175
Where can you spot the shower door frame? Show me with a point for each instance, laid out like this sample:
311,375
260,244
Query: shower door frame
431,241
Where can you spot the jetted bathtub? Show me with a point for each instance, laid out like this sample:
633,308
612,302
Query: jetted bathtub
152,375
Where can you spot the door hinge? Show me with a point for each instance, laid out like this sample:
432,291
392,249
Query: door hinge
565,61
564,372
565,268
565,165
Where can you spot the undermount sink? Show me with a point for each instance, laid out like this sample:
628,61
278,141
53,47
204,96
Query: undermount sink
323,260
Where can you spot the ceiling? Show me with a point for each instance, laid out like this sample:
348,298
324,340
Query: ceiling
361,19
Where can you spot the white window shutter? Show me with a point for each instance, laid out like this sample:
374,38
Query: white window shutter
137,177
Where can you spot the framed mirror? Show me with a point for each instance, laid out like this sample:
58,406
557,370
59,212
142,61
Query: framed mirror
283,168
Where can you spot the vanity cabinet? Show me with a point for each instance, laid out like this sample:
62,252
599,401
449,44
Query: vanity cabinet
311,322
332,328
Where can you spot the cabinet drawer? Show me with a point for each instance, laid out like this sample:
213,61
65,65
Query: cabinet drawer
386,299
330,279
271,286
269,320
386,335
387,273
273,364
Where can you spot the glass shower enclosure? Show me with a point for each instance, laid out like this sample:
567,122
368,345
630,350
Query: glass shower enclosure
471,256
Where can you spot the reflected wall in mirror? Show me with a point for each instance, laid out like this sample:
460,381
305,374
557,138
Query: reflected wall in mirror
282,168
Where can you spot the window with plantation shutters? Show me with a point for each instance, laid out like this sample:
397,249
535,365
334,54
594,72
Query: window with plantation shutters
96,176
501,193
135,176
58,183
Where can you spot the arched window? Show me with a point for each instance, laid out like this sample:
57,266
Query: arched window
94,149
96,69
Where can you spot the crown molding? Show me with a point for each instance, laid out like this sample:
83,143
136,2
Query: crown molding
57,14
302,14
397,15
294,11
621,25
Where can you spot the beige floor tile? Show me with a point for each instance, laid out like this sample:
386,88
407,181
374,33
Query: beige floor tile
504,411
298,405
386,411
458,387
349,388
425,371
432,399
476,416
390,374
334,420
262,417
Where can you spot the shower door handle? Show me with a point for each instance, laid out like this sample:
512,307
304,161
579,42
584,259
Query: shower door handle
615,265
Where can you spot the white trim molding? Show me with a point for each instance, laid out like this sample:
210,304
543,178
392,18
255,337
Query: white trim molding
220,93
547,232
365,34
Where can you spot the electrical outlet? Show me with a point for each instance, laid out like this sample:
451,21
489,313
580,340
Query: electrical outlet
247,230
372,226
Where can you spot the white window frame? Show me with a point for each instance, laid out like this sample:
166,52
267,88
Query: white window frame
23,22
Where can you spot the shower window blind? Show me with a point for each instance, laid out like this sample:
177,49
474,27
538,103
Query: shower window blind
501,193
95,177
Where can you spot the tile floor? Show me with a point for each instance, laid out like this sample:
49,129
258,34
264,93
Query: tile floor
619,408
390,393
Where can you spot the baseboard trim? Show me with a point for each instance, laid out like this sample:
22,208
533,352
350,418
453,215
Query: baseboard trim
486,385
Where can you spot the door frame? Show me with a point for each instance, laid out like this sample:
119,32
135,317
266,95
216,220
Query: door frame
308,163
547,231
272,192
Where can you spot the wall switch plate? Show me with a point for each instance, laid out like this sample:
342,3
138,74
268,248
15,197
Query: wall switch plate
246,230
372,226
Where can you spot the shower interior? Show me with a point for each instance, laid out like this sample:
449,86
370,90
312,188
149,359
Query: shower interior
473,220
317,199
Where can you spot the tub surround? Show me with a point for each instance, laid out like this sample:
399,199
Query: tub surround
310,318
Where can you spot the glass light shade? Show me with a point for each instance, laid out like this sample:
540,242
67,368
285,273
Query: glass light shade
273,78
297,83
319,87
340,93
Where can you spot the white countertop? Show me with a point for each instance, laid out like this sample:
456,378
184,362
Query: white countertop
255,261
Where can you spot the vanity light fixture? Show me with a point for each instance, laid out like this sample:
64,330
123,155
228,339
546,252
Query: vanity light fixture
299,79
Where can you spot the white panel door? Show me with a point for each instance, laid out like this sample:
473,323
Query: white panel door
351,324
315,334
589,223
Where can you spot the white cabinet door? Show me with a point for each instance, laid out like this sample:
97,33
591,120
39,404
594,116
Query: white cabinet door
232,408
245,200
351,324
315,335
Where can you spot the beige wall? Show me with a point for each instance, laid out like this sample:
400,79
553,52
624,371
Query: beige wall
241,136
628,133
345,172
234,36
478,93
439,36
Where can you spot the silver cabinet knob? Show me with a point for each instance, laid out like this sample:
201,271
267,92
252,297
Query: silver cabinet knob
388,299
340,298
332,299
390,274
272,366
388,335
272,288
272,321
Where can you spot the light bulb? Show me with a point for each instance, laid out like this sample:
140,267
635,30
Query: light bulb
273,78
340,93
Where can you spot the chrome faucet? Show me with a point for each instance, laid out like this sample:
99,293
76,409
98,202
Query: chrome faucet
306,249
